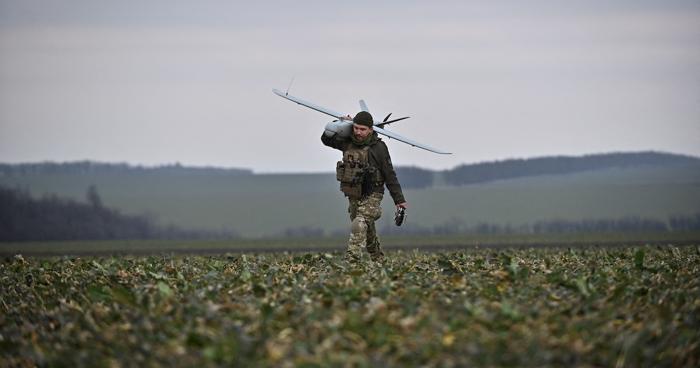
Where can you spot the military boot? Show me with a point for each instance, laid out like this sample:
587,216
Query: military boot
375,251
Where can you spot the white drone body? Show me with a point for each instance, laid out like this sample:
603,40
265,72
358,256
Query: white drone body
343,128
342,125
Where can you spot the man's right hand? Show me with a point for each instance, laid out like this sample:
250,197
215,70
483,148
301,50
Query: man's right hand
400,215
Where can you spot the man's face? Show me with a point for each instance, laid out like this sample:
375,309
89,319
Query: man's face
361,132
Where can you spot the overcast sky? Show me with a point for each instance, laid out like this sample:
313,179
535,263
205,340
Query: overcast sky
156,82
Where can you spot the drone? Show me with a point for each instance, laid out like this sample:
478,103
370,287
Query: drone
342,125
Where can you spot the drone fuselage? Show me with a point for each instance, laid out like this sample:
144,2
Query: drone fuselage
343,128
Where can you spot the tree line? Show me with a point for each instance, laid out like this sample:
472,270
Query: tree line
23,218
628,224
92,167
516,168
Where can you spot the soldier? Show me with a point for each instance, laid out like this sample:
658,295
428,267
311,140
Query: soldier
365,169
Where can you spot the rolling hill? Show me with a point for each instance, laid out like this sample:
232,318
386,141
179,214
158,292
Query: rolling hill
513,193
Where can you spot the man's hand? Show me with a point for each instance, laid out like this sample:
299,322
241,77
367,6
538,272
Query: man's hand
400,215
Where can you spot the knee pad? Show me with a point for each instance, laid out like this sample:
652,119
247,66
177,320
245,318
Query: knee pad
359,224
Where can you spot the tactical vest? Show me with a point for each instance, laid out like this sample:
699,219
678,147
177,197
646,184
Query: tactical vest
356,176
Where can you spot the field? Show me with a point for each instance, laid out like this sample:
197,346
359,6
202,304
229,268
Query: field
434,242
266,205
595,306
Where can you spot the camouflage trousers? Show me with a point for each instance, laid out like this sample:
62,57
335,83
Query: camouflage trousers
363,234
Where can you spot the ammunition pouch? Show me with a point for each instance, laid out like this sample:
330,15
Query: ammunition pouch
357,178
350,178
370,180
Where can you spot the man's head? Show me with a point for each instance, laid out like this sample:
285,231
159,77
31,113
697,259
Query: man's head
362,125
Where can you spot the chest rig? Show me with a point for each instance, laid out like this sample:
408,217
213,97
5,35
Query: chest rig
356,176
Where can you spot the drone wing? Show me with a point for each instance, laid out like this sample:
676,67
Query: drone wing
310,105
378,128
408,141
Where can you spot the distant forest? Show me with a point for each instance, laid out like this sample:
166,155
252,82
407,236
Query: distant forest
629,224
509,169
23,218
91,167
410,177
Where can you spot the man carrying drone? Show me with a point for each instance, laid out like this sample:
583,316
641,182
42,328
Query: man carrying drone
365,169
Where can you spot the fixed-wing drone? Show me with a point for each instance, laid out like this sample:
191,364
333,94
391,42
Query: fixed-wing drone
343,124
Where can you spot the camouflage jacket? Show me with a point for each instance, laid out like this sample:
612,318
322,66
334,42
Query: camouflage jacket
379,158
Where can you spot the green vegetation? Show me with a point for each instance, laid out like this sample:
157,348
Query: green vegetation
636,306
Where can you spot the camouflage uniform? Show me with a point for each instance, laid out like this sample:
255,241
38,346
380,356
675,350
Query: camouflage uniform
366,210
363,232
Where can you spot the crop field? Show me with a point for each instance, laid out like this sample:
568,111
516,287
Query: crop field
623,306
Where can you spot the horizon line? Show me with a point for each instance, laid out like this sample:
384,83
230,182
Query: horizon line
254,172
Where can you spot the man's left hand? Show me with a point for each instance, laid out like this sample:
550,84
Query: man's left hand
402,205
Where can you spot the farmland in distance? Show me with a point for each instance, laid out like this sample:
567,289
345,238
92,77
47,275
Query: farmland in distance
265,205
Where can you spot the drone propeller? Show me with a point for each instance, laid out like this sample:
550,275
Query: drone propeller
386,120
